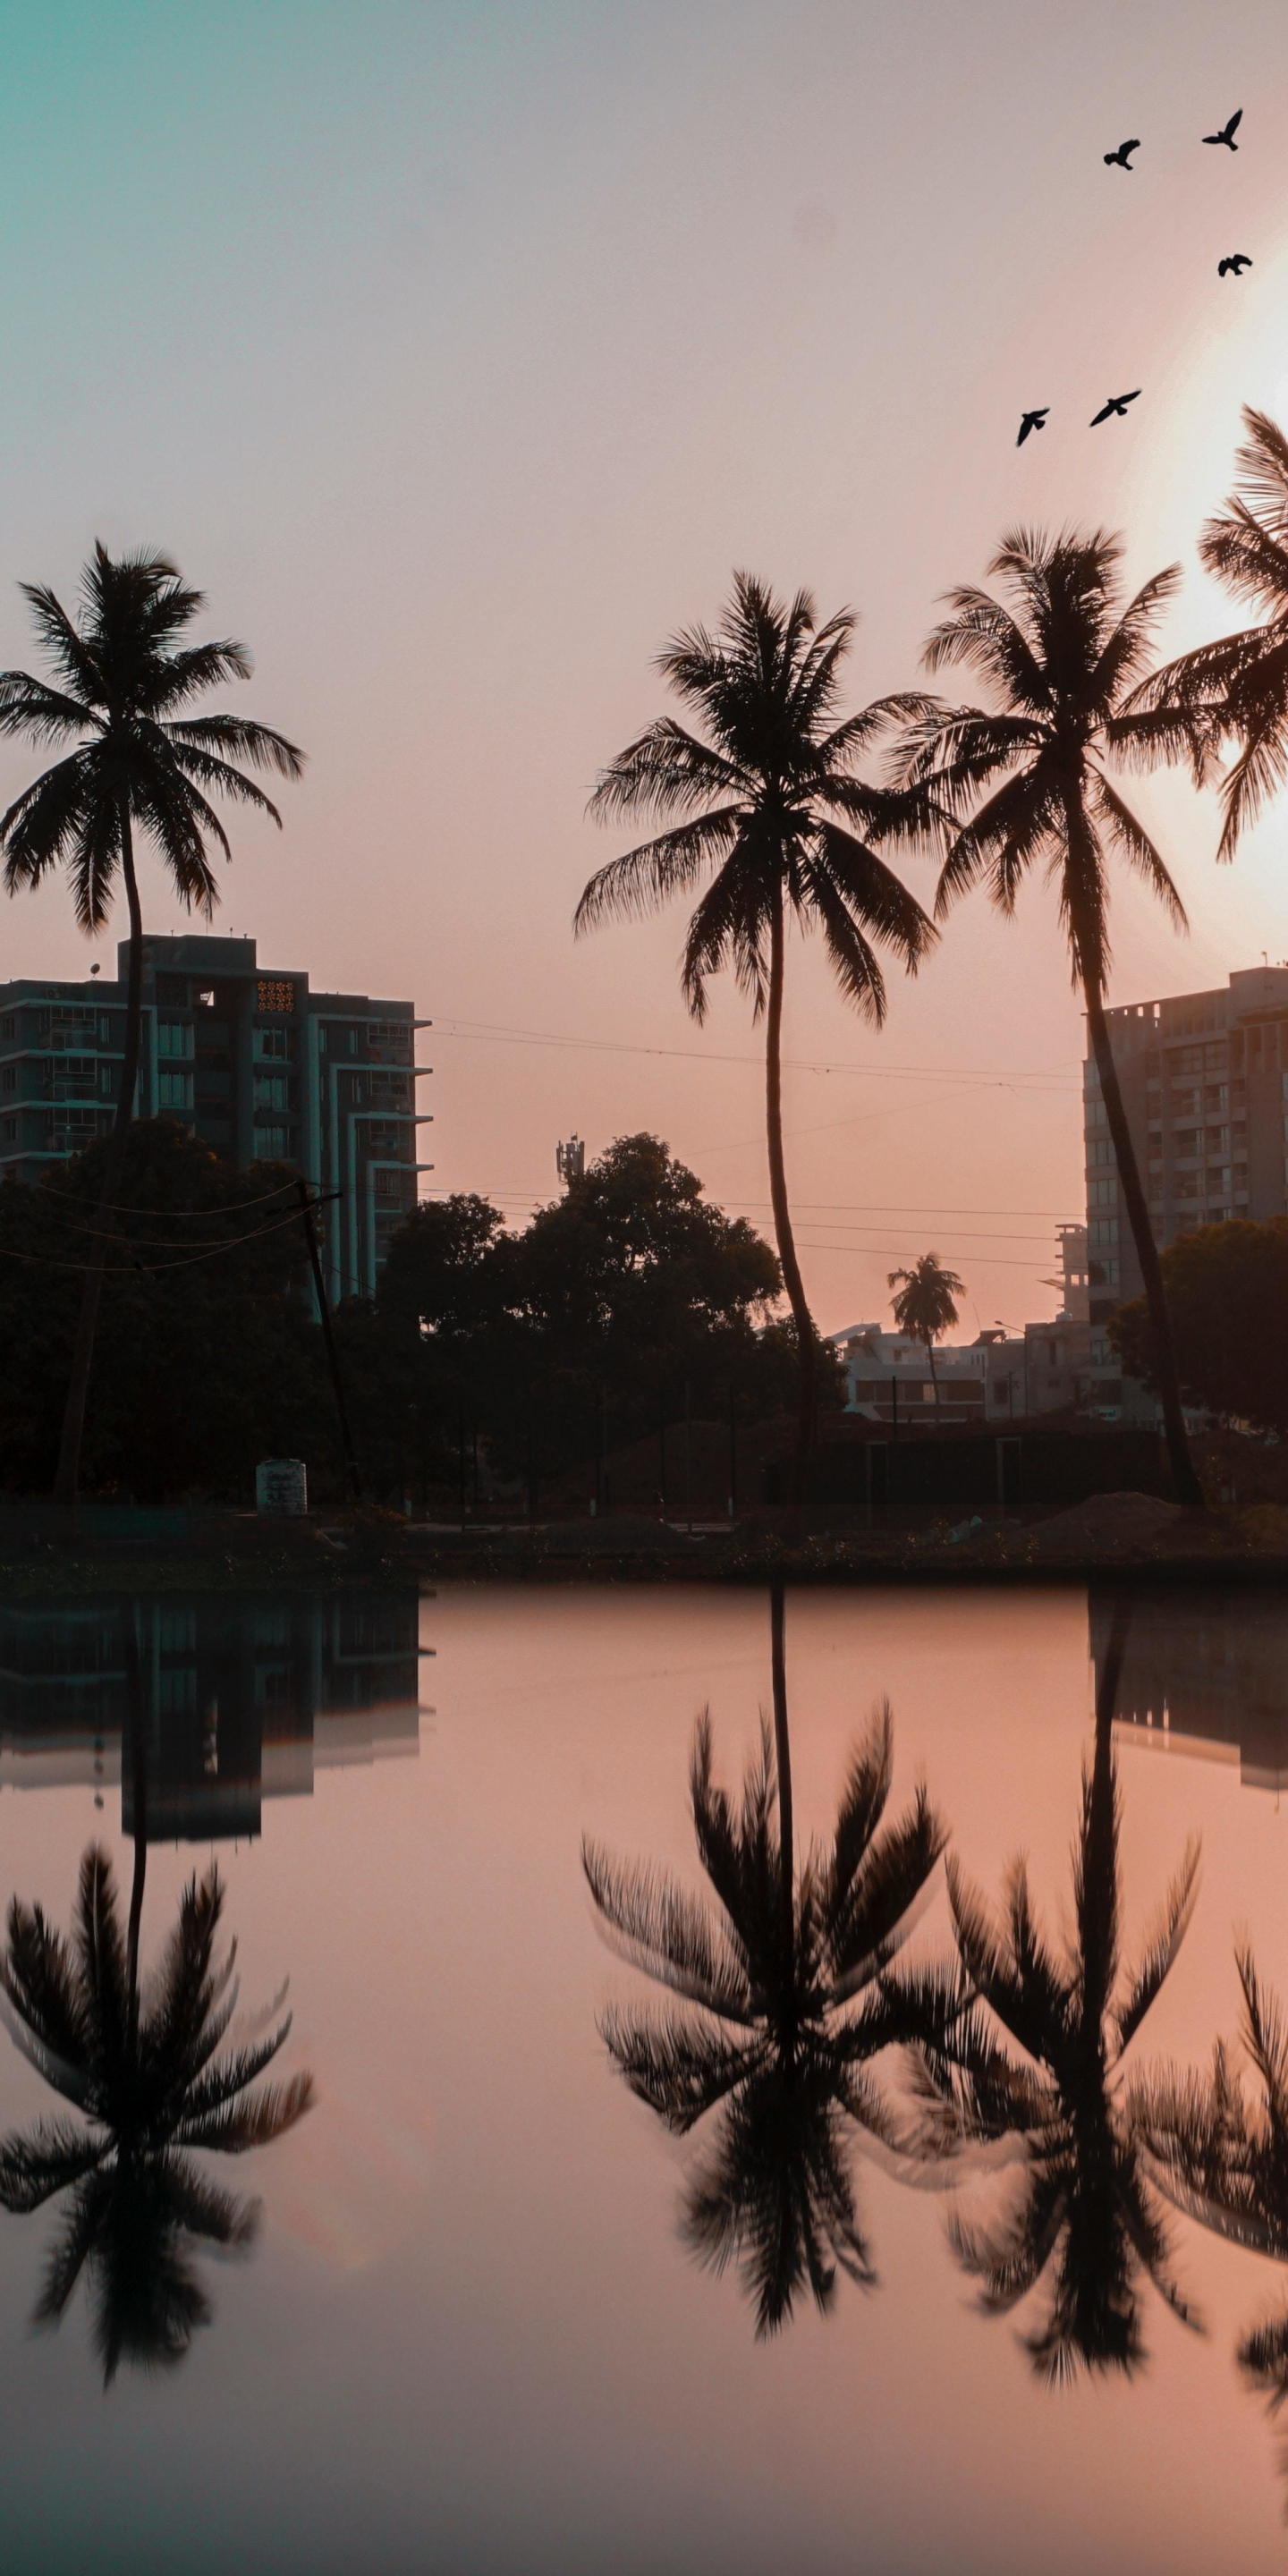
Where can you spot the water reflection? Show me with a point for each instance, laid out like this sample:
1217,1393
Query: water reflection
242,1698
785,1999
1204,1673
156,2073
1084,2217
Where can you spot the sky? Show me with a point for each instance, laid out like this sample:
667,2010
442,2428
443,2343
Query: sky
461,352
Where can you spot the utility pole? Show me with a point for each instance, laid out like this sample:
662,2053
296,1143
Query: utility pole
308,1210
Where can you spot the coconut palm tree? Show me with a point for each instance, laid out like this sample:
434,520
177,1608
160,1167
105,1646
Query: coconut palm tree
1085,2217
152,2086
764,801
1236,689
782,2000
925,1306
1027,783
122,687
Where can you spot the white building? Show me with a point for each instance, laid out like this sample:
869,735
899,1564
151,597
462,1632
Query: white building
999,1377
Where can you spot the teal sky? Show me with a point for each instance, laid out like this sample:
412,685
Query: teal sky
460,351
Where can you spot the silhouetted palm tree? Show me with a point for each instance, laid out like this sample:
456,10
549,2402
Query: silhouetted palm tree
926,1304
1223,2159
152,2086
766,803
1084,2217
1027,784
783,2001
122,689
1236,690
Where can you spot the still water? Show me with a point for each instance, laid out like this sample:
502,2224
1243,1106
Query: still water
492,2313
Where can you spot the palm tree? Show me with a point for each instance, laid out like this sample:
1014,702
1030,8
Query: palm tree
782,2001
1223,2159
765,802
1086,2217
122,686
1026,782
925,1306
152,2086
1236,690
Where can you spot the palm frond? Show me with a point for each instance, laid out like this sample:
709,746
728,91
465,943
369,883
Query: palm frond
1161,1946
680,2068
651,1922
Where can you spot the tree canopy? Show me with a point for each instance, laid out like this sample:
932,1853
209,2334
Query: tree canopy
1227,1292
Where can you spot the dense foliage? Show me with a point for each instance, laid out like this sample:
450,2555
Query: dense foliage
628,1299
1227,1293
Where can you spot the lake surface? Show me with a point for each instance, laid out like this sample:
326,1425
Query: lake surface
471,2335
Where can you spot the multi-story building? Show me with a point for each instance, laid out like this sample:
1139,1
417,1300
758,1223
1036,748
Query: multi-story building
1205,1085
997,1378
253,1061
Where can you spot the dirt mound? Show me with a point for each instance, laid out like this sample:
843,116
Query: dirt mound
1108,1524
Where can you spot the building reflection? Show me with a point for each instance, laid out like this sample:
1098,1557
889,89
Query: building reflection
241,1698
1205,1673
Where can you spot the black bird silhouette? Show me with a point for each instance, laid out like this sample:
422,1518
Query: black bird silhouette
1116,406
1234,265
1226,134
1120,156
1032,420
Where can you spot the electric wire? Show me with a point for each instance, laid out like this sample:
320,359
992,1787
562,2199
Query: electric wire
133,1269
988,1076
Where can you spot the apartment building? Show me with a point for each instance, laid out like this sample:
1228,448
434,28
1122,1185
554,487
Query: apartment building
252,1060
1205,1085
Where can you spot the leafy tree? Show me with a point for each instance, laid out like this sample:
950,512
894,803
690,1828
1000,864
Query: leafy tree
1027,783
925,1306
1236,690
446,1267
122,688
211,1359
767,803
780,2004
1087,2220
1227,1289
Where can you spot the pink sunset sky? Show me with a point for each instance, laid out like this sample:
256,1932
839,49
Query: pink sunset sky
461,351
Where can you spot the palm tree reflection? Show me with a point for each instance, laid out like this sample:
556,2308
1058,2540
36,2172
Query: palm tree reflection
783,2000
153,2081
1084,2216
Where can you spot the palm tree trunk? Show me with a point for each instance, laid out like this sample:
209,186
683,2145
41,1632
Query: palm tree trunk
134,1675
792,1281
783,1766
1184,1479
67,1478
1098,1931
930,1354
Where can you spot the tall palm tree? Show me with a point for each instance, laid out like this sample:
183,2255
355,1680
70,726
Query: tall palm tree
782,2002
1027,783
1086,2217
152,2086
926,1304
122,687
765,802
1236,689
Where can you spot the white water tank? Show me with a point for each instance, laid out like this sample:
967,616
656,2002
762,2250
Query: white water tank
281,1485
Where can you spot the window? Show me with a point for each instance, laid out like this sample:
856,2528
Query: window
9,1029
1102,1354
174,1037
272,1045
271,1090
1218,1140
1094,1112
204,1000
9,1078
1102,1194
174,1091
388,1185
274,994
1185,1140
1216,1097
10,1131
1187,1060
1214,1057
270,1144
1101,1231
1100,1149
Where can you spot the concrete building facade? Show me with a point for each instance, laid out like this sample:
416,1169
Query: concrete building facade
1204,1080
253,1061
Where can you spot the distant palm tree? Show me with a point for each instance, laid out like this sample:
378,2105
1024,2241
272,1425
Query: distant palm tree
767,804
1085,2215
925,1307
122,685
152,2088
1236,690
784,1999
1027,784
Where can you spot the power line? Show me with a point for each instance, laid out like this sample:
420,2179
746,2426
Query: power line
487,1030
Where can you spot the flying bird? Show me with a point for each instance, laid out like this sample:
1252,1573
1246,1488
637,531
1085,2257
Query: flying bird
1226,134
1115,407
1032,420
1234,265
1121,155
